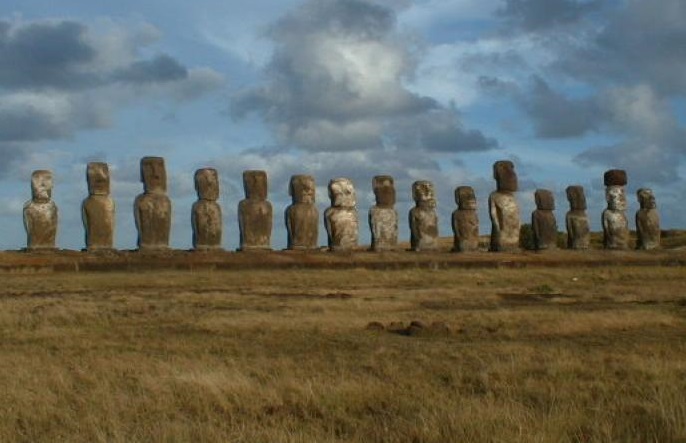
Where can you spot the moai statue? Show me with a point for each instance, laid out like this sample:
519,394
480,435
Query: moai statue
97,211
615,223
543,220
206,214
503,208
423,217
302,216
578,230
255,213
383,218
465,220
40,213
152,209
647,221
340,220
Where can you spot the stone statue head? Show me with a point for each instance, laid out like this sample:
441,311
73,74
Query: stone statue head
384,190
616,198
545,200
505,176
153,175
342,193
576,197
615,177
41,186
646,198
423,193
465,198
98,178
255,185
207,184
302,189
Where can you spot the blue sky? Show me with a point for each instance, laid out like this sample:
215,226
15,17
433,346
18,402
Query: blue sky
429,89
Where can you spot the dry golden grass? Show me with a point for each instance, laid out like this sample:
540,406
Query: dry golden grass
533,355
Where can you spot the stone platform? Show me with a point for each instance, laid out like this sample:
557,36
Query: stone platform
134,261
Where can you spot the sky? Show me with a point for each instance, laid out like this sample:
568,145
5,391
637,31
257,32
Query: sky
419,89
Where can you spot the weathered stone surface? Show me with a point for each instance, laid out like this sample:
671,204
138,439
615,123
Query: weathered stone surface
40,213
302,217
576,198
545,200
505,176
97,211
465,220
153,209
383,218
255,213
647,221
543,220
340,220
615,223
206,214
615,177
423,217
576,220
503,209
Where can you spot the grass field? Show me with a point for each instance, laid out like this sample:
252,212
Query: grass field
532,355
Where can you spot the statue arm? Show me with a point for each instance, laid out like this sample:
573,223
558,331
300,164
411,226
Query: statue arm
371,226
27,223
241,225
327,226
84,219
194,222
136,214
535,227
494,213
605,225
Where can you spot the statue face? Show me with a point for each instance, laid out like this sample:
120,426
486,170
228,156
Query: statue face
342,193
423,192
505,176
153,174
98,178
207,184
616,198
646,198
577,198
545,200
302,189
465,197
41,186
255,184
384,190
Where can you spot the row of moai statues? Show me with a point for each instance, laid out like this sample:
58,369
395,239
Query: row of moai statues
614,220
153,213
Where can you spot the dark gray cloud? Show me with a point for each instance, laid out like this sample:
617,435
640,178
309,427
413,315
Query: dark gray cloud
609,69
552,113
59,77
162,68
67,55
45,54
438,130
11,154
645,161
29,124
556,116
343,17
640,42
651,145
538,15
336,83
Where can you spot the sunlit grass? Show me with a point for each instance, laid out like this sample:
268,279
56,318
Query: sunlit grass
284,356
